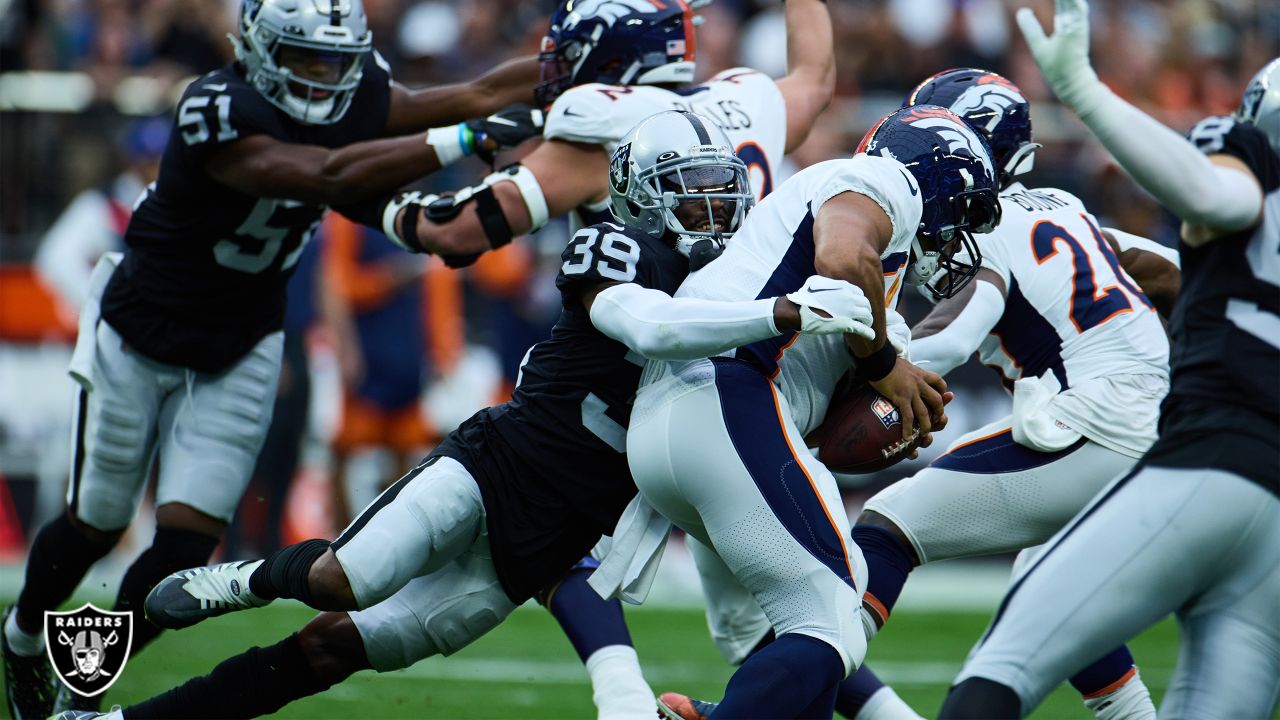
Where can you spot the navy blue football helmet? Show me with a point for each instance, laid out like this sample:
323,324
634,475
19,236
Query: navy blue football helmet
952,165
994,107
616,42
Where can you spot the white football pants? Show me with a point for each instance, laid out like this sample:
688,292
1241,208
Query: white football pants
722,459
1202,544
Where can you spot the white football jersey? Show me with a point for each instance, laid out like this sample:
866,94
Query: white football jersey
745,103
773,254
1072,311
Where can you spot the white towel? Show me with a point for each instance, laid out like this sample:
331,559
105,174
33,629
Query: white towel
631,562
1034,424
87,334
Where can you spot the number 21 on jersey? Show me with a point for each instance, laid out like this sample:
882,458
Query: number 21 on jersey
1090,307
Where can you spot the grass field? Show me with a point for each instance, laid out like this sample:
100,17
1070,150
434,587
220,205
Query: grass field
527,670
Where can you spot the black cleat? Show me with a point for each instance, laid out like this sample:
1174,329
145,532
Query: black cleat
29,682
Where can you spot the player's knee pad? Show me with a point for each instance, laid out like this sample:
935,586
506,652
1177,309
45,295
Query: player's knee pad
451,631
446,503
118,446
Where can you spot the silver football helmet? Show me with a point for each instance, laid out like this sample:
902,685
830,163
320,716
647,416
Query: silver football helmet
676,173
329,34
1260,105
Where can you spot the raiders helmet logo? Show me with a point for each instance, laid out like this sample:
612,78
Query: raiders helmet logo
88,647
618,168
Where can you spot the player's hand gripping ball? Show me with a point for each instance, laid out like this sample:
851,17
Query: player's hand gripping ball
862,432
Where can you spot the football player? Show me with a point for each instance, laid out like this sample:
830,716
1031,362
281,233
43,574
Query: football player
1193,529
605,67
717,445
180,343
1073,336
491,517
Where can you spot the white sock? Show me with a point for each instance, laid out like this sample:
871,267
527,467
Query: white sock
21,642
1131,701
618,686
884,704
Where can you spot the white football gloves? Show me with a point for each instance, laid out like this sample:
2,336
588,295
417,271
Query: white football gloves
844,308
899,332
1064,56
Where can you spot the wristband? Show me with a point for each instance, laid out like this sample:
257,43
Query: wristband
876,365
451,143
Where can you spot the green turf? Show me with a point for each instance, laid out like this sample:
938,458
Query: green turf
526,668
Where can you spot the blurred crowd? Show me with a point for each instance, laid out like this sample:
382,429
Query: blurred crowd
1181,59
64,174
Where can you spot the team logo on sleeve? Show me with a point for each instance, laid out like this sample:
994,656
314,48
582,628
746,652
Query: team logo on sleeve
88,647
618,168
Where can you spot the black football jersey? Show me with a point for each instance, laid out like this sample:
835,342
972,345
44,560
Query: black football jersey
1223,408
550,463
205,266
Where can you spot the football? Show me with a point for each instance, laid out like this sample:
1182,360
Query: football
862,432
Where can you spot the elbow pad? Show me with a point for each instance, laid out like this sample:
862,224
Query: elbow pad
440,209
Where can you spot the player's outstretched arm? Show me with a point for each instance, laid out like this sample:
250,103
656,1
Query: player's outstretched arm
849,235
266,167
460,226
1156,268
1217,192
954,329
661,327
811,67
510,83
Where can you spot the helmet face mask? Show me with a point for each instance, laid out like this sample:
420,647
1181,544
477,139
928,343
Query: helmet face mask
952,165
675,175
633,43
305,57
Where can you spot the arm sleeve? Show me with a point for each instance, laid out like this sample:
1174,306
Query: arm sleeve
1169,167
661,327
951,347
1128,241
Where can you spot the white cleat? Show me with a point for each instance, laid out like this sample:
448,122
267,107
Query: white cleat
188,597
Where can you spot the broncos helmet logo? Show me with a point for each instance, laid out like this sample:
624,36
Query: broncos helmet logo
609,11
957,135
995,97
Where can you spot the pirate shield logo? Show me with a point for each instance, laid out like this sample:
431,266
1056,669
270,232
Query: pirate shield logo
619,172
88,647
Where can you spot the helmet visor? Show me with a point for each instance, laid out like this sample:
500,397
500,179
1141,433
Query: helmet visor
706,199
